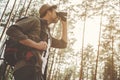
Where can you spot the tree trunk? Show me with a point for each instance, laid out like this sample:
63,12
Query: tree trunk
50,71
97,59
8,21
4,11
28,7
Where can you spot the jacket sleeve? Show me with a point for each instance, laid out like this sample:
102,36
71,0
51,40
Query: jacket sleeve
18,30
58,43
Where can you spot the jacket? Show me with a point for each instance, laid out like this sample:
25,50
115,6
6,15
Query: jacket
32,28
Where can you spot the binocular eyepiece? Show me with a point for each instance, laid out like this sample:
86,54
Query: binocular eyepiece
62,15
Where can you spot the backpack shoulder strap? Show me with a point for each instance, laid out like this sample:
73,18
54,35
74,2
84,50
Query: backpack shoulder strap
21,19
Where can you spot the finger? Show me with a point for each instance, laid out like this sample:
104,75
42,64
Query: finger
45,46
45,42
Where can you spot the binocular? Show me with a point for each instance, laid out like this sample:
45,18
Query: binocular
62,15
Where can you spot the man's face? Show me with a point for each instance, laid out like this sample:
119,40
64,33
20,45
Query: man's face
53,16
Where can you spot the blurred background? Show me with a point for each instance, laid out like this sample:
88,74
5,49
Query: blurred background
93,37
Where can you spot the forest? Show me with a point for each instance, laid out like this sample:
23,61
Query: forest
93,46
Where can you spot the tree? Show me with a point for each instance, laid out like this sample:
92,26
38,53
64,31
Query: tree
109,71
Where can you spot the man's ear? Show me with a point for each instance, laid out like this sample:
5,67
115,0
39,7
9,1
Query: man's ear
49,13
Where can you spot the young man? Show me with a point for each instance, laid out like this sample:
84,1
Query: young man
34,33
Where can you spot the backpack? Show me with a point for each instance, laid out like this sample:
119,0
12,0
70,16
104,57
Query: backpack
13,50
12,53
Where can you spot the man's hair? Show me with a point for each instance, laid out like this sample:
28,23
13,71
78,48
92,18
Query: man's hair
51,9
46,7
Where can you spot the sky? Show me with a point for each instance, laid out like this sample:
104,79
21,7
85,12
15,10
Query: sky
91,36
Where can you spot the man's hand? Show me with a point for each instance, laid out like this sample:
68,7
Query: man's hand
42,45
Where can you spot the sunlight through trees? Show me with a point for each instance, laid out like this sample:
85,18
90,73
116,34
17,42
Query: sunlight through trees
93,51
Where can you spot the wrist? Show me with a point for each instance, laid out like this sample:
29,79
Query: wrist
36,46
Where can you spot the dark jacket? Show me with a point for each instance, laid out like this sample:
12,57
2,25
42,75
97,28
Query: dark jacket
32,28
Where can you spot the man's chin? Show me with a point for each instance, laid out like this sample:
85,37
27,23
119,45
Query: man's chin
55,21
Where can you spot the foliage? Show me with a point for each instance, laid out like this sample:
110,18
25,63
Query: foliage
65,64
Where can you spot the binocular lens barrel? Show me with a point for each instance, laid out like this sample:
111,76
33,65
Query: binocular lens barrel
62,15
